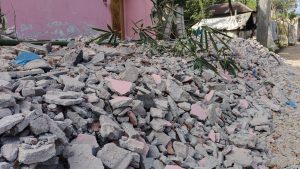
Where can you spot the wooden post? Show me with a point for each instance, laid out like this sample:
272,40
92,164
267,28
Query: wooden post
122,18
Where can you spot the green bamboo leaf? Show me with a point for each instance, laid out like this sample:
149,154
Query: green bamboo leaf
213,42
103,37
109,27
115,41
222,33
201,39
233,63
224,43
201,63
206,41
100,30
110,39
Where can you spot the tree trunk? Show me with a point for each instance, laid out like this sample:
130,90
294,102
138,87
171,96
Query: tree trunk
263,20
230,7
168,26
180,22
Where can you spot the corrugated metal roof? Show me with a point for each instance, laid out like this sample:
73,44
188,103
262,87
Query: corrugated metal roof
223,9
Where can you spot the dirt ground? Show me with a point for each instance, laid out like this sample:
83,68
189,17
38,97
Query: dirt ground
292,55
285,141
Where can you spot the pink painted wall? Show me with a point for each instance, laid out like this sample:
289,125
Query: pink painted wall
135,10
57,19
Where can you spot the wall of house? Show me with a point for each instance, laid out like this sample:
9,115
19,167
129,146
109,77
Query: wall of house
57,19
136,10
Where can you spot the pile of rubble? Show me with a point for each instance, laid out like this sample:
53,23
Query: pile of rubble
100,107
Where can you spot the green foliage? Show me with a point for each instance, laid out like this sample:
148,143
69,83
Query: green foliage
109,36
195,10
284,9
146,34
219,42
250,3
212,44
201,63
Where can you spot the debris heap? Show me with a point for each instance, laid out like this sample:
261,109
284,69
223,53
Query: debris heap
100,107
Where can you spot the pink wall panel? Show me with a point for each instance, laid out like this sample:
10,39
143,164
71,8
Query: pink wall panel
58,19
136,10
53,19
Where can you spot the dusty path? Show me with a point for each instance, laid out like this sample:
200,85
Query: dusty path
285,141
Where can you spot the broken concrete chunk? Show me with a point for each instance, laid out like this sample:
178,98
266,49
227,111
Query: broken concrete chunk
260,119
8,122
77,120
148,163
240,156
5,76
73,58
119,102
128,128
132,145
41,50
119,86
269,103
110,128
173,167
19,74
10,151
181,150
157,113
98,58
209,162
131,74
243,103
173,107
185,106
159,124
4,83
77,149
5,112
113,156
30,115
54,129
85,161
38,63
138,107
176,92
92,98
71,84
208,74
63,98
37,154
209,96
5,165
59,117
199,112
6,100
163,138
213,113
34,91
86,139
153,152
81,156
157,78
162,104
39,125
243,139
